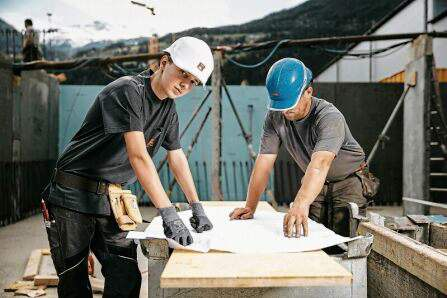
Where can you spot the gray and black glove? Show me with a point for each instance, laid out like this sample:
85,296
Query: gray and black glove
174,227
199,221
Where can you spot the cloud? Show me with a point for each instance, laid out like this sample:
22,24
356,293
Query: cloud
98,26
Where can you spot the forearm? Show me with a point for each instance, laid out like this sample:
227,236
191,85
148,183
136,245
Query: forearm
257,184
312,183
180,168
148,177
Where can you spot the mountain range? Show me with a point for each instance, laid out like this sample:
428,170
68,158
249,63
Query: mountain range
313,18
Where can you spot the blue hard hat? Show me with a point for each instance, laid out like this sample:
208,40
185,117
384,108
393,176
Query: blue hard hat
286,81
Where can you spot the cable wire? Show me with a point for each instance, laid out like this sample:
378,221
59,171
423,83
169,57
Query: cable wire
261,62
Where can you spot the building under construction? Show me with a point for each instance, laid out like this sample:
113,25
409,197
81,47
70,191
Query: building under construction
396,110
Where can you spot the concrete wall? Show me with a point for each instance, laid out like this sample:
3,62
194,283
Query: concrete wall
38,97
28,143
6,133
410,19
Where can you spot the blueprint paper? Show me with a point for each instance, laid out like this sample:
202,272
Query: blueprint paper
262,234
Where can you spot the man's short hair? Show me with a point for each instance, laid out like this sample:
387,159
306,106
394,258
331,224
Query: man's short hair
28,22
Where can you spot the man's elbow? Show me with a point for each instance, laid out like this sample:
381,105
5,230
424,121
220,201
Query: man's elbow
136,158
322,161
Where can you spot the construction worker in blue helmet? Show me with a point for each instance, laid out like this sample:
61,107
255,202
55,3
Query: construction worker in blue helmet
316,135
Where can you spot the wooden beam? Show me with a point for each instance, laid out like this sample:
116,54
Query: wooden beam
46,280
43,64
438,235
216,186
32,267
424,262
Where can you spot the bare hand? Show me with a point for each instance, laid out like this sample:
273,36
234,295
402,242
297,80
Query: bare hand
242,213
296,220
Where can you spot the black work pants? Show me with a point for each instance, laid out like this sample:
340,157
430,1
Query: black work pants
72,235
330,207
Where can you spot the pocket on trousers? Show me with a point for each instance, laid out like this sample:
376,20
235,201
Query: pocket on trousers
55,247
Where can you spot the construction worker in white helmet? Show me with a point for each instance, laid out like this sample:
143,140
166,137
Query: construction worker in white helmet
84,206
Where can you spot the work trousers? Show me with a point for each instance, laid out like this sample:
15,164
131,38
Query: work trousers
330,207
72,235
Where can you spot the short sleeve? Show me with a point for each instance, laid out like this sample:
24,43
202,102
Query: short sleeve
122,110
172,140
330,133
270,141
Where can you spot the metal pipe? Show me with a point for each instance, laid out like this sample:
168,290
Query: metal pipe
191,146
388,124
246,135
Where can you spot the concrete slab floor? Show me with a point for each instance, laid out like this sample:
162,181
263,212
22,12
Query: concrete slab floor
19,239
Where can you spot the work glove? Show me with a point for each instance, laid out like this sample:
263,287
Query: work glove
199,221
173,226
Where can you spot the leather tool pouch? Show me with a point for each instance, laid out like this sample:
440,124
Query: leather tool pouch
125,208
370,183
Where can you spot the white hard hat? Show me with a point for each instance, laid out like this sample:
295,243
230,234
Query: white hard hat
192,55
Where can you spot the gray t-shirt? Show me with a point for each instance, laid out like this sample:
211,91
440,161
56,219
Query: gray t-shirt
323,129
98,150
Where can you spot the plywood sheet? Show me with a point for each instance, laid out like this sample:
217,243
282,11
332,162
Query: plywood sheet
218,269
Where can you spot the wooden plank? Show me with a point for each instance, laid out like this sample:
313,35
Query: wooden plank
46,280
30,292
19,284
47,266
187,269
421,260
32,267
438,235
46,251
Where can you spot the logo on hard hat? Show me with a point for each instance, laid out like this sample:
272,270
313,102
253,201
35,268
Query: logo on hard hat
201,66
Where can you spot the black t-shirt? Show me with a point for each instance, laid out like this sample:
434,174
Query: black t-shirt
98,150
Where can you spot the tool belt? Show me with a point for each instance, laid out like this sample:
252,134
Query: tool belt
370,183
123,203
125,207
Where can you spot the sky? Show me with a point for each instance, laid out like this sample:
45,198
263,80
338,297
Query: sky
84,21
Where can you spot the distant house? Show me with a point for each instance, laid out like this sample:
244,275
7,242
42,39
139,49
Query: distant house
389,66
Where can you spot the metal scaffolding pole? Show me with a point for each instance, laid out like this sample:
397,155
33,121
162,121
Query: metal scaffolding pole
248,139
194,114
382,137
191,146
